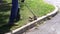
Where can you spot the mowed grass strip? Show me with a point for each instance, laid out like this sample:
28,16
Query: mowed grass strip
38,7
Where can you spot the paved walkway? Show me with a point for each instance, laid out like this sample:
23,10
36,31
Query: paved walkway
51,26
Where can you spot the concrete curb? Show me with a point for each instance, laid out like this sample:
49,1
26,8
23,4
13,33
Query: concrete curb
32,24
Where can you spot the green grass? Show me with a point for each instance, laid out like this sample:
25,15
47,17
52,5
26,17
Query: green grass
39,8
4,13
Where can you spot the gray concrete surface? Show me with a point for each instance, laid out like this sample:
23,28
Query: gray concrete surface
51,26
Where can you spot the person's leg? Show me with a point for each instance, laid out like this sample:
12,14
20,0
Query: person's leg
18,15
14,11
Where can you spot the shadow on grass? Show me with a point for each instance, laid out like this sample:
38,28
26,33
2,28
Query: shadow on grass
4,17
5,29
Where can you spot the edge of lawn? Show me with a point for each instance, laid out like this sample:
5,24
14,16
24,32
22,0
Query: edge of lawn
41,12
32,24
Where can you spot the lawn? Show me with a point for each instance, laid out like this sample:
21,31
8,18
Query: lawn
38,7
